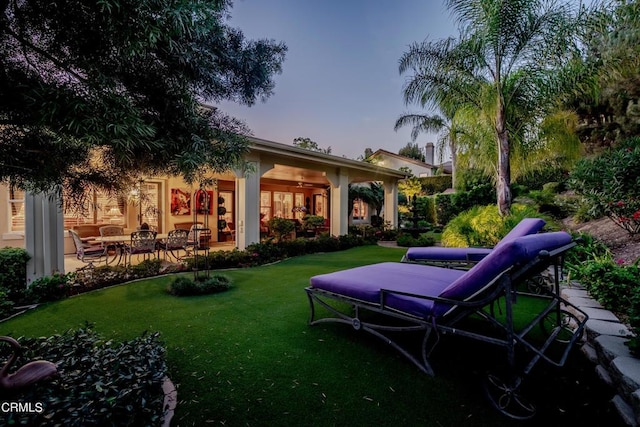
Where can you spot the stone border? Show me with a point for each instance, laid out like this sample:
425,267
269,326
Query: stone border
604,346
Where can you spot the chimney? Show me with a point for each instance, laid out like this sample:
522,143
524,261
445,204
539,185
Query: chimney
428,153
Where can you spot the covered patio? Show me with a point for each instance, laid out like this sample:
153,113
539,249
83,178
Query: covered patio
276,180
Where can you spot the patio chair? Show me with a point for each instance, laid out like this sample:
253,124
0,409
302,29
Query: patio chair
176,240
467,257
88,253
199,237
433,300
113,249
143,242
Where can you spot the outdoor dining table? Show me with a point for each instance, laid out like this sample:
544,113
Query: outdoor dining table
119,241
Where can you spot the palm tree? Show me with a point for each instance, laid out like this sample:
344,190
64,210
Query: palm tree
502,68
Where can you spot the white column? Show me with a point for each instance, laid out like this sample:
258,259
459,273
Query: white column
339,196
391,202
44,235
248,206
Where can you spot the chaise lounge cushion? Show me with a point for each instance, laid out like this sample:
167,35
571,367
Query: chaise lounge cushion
513,253
525,227
366,283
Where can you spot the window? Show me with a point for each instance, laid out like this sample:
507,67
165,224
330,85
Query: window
299,209
150,204
95,210
16,204
282,204
360,210
265,206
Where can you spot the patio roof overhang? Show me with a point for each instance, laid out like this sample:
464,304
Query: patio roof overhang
301,165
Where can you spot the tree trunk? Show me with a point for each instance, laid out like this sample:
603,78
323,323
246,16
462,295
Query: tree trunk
503,187
454,163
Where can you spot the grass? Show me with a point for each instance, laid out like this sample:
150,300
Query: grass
248,357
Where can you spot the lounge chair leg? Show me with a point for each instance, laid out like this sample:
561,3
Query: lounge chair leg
505,398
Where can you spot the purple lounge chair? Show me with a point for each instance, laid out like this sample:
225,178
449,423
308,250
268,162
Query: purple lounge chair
466,257
434,299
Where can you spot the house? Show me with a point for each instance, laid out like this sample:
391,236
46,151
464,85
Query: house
417,168
282,180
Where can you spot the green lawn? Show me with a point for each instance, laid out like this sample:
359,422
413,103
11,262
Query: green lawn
248,357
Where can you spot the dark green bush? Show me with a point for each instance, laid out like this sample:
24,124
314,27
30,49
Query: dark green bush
214,284
435,184
185,286
147,268
407,240
101,382
615,285
480,194
13,272
445,209
281,227
49,288
6,305
426,208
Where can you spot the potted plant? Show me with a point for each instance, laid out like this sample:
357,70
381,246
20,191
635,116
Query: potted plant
311,222
281,227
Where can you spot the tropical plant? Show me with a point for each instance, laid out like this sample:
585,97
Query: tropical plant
497,79
121,83
371,193
483,226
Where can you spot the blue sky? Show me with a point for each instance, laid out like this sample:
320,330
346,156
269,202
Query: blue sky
340,84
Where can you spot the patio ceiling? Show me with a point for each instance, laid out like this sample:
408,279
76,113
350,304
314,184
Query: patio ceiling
291,175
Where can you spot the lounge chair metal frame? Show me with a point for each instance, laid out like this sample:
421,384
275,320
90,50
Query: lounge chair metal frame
567,325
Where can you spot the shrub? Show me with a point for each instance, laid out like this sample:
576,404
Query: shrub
6,305
185,286
103,383
49,288
477,195
13,271
407,240
483,225
435,184
444,208
147,268
182,285
281,226
610,182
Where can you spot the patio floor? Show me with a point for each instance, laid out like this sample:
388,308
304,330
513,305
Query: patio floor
71,263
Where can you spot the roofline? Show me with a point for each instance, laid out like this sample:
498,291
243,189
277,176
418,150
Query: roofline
405,158
272,147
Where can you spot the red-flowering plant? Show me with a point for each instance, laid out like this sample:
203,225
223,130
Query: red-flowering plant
611,183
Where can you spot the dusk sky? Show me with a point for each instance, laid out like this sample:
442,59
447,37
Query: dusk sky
340,84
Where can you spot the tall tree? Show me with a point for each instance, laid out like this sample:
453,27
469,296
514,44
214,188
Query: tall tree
507,54
309,144
98,93
413,151
603,83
